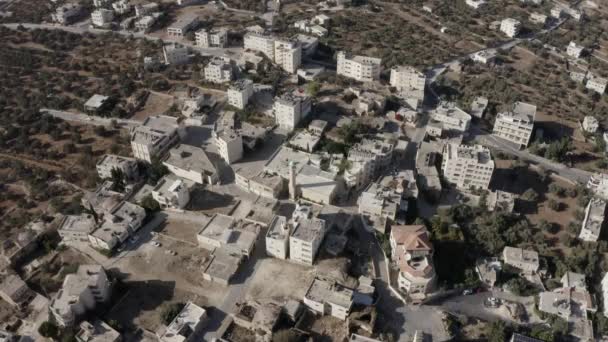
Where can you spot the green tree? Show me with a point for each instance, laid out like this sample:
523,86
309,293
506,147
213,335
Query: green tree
49,330
497,331
169,312
118,180
150,204
313,88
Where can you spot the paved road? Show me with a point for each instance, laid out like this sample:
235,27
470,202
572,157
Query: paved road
89,119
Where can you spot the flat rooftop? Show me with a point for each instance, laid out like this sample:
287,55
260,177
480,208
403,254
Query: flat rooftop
184,323
330,292
308,229
190,158
78,223
114,160
305,140
279,162
223,265
96,101
278,228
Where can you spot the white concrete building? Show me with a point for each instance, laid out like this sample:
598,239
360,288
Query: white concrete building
510,27
187,326
124,220
13,290
412,251
172,192
451,118
475,4
109,162
154,137
240,92
522,259
290,108
360,68
605,294
261,43
183,24
372,156
594,219
590,124
145,9
595,83
467,166
226,233
409,82
230,145
288,55
218,70
175,54
80,292
538,18
192,163
598,184
277,238
308,234
574,50
74,230
67,13
102,17
98,331
484,57
377,201
517,124
327,297
211,38
146,22
122,6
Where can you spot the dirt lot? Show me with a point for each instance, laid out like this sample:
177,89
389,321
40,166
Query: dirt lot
288,280
155,104
329,328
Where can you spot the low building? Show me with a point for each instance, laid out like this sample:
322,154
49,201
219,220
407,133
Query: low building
98,331
103,200
192,163
522,259
154,137
380,203
427,155
224,232
467,166
327,297
308,234
510,27
305,141
451,118
523,338
475,4
74,230
183,24
97,103
500,201
317,127
239,93
67,13
538,18
412,252
124,220
604,290
595,83
259,42
102,17
109,162
80,292
478,106
146,22
595,214
277,238
187,326
147,8
574,50
172,192
484,56
212,38
408,81
598,184
222,267
218,70
517,124
590,124
14,290
360,68
263,184
175,54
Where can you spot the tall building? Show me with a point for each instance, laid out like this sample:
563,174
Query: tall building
288,55
102,17
467,166
517,124
218,70
510,27
408,80
154,137
109,162
360,68
308,234
291,108
261,43
172,192
175,54
277,238
211,38
412,251
240,92
230,145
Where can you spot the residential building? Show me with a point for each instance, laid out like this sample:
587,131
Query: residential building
475,4
102,17
74,230
467,166
67,13
510,27
590,124
117,226
574,50
488,270
13,289
538,18
321,19
315,185
327,297
604,284
288,55
261,43
290,108
98,331
172,192
380,202
478,106
103,200
146,22
225,232
240,92
230,145
262,184
309,44
308,234
594,219
360,68
317,127
222,267
97,103
412,251
516,125
595,83
522,259
151,139
183,24
500,201
145,9
484,56
376,155
211,38
122,6
277,238
409,82
451,118
109,162
187,326
192,163
218,70
175,54
598,184
81,291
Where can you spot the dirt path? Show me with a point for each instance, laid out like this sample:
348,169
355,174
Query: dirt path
41,164
417,20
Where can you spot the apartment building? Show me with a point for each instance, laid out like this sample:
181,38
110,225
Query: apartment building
172,192
451,118
510,27
102,17
187,326
80,292
290,108
288,55
154,137
183,24
407,77
308,234
226,233
192,163
240,92
14,290
538,18
218,70
259,42
380,202
145,9
467,166
412,251
590,124
67,13
277,238
175,54
109,162
595,214
517,124
360,68
122,6
595,83
327,297
146,22
74,230
525,260
211,38
378,153
574,50
230,145
123,221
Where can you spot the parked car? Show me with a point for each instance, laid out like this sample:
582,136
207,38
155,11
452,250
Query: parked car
467,292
